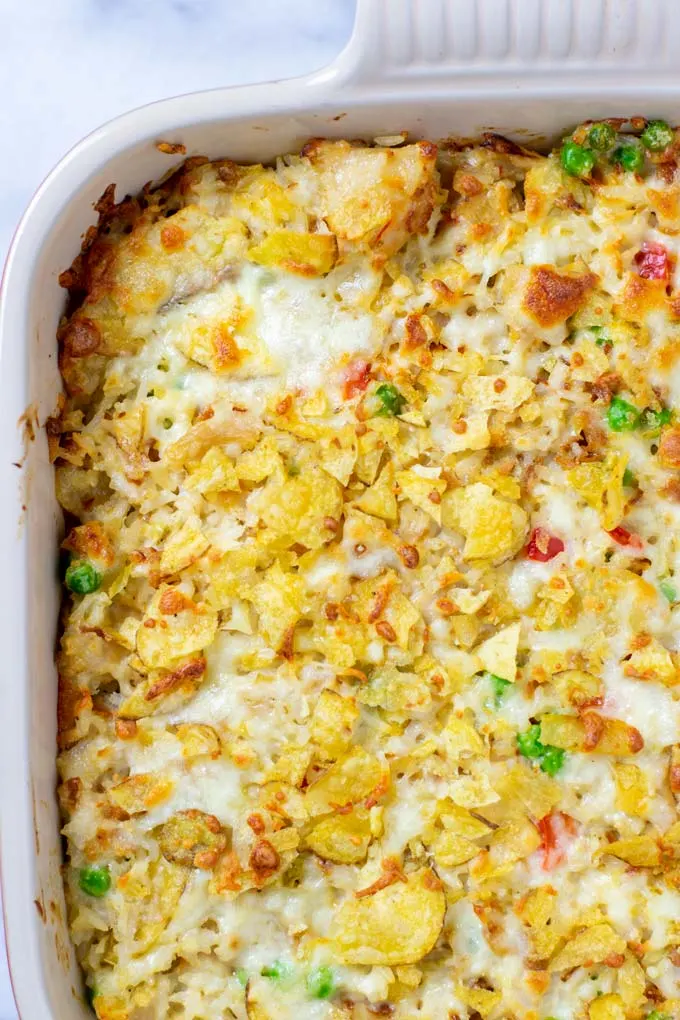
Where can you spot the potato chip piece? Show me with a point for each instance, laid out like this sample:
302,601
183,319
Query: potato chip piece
631,982
140,793
498,654
578,688
290,766
370,449
222,346
460,738
353,778
215,473
483,1001
198,741
461,822
473,791
450,850
304,254
591,945
111,1007
565,731
192,838
395,691
295,509
402,616
514,840
546,184
164,690
403,182
640,851
399,924
600,483
521,791
591,732
183,547
191,447
174,626
467,601
631,789
332,724
607,1007
339,453
278,599
497,393
536,908
261,462
379,499
343,839
409,975
494,528
151,900
467,432
653,662
424,492
588,361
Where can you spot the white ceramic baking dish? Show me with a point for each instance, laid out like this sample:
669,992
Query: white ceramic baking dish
528,68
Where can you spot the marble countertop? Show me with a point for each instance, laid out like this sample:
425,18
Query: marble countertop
70,65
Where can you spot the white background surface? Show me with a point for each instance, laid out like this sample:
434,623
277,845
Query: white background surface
68,65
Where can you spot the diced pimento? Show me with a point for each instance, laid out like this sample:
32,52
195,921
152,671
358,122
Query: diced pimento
556,831
627,538
543,546
357,376
653,261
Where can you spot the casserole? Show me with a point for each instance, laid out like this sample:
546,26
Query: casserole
430,69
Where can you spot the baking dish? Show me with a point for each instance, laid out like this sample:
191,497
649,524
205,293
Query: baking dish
528,68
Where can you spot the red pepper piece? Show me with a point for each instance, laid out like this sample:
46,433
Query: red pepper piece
625,537
357,377
543,546
653,261
555,830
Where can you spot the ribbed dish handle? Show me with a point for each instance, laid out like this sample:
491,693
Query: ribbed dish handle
411,40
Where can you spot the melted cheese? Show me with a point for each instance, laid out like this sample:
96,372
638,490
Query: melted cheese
325,422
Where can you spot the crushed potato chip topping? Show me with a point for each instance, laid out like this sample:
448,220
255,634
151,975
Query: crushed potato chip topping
369,675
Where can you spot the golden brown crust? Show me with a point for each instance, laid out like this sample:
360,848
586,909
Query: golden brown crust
552,297
669,448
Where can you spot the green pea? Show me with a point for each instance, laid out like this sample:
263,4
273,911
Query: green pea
601,136
391,400
95,881
630,156
82,577
167,423
498,686
552,759
576,159
529,742
629,479
599,339
279,970
657,136
321,983
622,416
651,422
669,591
